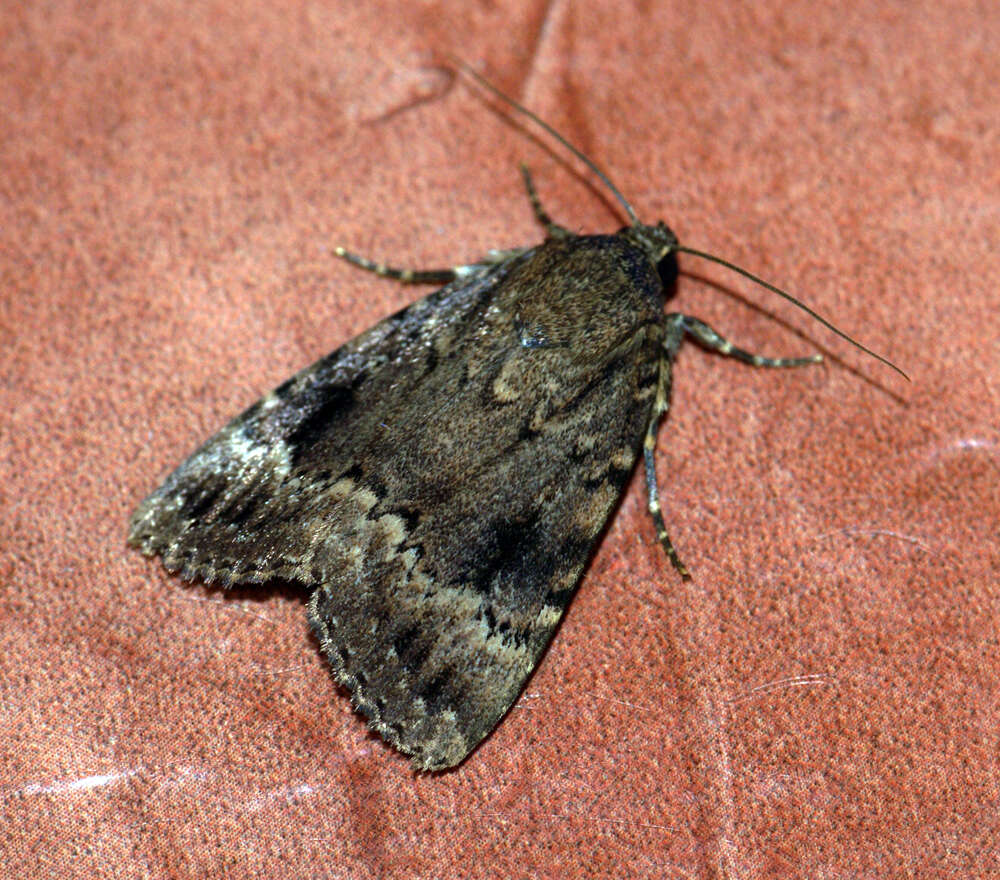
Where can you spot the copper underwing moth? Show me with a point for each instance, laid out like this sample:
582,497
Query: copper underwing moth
439,482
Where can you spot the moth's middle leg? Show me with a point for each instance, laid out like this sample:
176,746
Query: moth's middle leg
676,326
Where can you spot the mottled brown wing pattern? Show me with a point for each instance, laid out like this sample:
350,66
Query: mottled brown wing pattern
437,622
439,483
238,509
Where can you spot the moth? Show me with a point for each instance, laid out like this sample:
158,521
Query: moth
439,482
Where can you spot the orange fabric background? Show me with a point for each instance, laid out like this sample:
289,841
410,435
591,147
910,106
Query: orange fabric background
821,700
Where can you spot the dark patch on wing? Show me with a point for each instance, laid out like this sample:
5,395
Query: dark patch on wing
328,406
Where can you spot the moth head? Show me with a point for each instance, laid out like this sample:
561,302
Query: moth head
660,244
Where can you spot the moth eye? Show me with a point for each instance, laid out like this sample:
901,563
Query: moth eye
667,269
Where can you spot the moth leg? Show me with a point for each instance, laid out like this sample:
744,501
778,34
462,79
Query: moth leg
712,340
676,326
660,407
446,276
428,276
407,276
552,229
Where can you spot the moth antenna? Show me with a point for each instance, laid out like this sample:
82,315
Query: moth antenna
520,108
732,266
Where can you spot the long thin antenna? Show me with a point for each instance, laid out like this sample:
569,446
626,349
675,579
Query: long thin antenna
791,299
486,84
634,219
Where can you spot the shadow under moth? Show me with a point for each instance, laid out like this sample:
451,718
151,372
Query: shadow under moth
439,482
